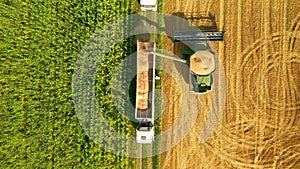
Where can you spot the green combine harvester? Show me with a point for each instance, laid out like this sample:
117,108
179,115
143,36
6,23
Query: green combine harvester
198,53
197,33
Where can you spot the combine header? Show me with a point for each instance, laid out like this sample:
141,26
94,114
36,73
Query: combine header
207,31
198,36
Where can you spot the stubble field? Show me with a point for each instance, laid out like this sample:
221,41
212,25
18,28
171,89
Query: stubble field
259,127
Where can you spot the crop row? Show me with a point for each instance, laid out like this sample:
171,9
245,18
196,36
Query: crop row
40,43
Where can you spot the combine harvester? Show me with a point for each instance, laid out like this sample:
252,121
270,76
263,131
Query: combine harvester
199,54
144,109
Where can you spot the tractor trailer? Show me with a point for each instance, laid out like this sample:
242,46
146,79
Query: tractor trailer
144,109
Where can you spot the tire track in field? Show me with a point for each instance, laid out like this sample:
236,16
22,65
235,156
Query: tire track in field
150,164
277,115
140,155
265,66
283,112
239,93
270,62
261,118
230,56
263,61
295,28
263,47
248,36
239,50
221,52
281,72
234,154
273,62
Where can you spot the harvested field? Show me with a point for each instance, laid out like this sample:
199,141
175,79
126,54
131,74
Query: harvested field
260,127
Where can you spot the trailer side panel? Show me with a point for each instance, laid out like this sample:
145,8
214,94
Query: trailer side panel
145,82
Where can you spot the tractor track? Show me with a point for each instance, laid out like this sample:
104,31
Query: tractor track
282,110
265,48
145,151
261,57
140,156
150,163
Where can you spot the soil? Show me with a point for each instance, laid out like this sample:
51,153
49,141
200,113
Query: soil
260,126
